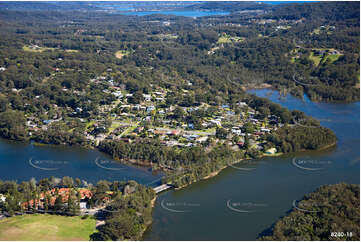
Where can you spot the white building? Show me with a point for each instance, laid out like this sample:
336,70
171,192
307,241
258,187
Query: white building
147,97
202,139
237,131
118,94
2,198
83,205
217,122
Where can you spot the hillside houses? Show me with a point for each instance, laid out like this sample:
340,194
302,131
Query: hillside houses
151,116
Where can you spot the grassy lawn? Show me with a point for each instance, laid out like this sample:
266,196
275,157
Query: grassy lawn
72,51
330,58
121,53
316,59
224,39
41,49
114,126
316,31
323,59
89,124
46,227
128,130
229,39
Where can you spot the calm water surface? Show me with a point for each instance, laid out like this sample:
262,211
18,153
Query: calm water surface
191,13
131,9
21,162
240,204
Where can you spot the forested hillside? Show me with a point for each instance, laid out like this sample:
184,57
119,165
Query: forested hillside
330,213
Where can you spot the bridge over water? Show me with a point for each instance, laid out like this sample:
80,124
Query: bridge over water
162,187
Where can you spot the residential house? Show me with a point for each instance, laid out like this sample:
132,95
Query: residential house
118,94
216,122
242,104
147,97
2,198
236,131
175,132
334,52
202,139
150,108
271,151
47,121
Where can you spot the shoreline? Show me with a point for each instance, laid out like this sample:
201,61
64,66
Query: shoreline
152,202
147,225
215,173
145,164
272,88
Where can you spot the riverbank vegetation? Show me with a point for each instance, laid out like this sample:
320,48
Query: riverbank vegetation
330,213
127,217
300,138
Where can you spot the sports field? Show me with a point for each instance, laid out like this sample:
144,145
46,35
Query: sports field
46,227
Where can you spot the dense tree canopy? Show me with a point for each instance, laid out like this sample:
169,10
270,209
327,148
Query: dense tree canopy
330,213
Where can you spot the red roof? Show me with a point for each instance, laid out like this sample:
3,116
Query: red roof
63,192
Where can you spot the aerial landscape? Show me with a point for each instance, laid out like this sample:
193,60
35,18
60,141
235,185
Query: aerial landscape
179,120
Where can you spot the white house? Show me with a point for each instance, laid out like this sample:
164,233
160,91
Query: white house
118,94
150,108
2,198
217,122
83,205
237,131
147,97
271,151
202,139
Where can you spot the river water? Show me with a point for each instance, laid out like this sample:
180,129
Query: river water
21,162
239,203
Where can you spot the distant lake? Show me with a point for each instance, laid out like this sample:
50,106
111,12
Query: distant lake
285,2
131,9
178,13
